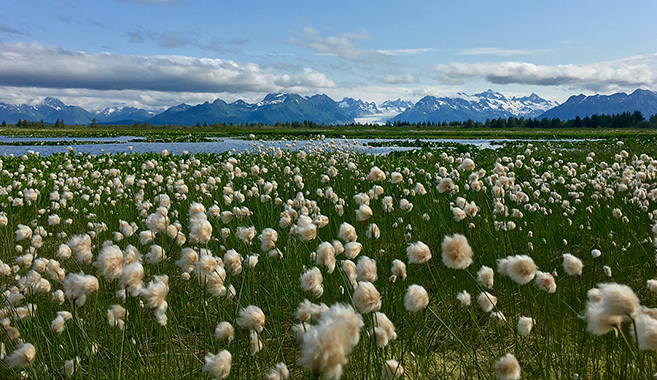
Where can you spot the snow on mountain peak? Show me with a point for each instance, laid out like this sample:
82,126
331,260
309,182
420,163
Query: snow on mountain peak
54,103
271,99
478,107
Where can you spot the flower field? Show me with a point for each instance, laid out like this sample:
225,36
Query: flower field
533,261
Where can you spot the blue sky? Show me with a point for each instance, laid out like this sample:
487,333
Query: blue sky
158,53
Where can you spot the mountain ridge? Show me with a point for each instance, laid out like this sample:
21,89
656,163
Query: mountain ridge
322,109
273,108
477,107
581,105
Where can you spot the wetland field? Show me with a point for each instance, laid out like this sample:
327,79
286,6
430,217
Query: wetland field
319,260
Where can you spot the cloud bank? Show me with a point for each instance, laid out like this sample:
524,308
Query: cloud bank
400,52
626,73
48,66
402,79
501,52
343,45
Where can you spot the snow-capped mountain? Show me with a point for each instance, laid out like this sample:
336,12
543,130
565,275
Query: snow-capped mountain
478,107
358,108
52,109
273,108
272,99
243,106
397,106
582,105
49,111
322,109
369,113
123,115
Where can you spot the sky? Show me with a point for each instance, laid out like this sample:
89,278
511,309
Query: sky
154,54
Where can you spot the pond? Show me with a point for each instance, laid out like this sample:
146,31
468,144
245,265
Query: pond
127,144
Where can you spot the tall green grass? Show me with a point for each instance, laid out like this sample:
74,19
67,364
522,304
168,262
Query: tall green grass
445,340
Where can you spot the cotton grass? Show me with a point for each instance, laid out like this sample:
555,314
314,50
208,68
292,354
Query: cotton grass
76,224
311,281
251,317
416,298
572,265
456,252
418,253
507,368
486,301
520,268
22,356
366,297
218,365
325,348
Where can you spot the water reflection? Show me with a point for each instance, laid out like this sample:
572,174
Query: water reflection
125,144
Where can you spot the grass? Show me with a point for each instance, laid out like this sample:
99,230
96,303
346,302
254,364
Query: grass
445,340
268,132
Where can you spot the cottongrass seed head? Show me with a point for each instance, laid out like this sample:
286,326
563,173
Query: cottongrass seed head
418,253
218,365
507,368
366,269
525,325
464,298
251,317
366,297
521,269
485,276
224,331
646,332
311,281
325,347
572,265
22,356
545,282
347,232
608,306
392,370
652,285
352,249
326,256
416,298
456,252
618,299
486,301
399,269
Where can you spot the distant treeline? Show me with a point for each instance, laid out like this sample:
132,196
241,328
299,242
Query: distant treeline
623,120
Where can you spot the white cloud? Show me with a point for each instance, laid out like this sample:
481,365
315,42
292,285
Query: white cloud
92,100
47,66
406,51
624,74
343,45
306,78
402,79
501,52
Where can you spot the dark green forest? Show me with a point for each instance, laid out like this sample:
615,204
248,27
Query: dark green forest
623,120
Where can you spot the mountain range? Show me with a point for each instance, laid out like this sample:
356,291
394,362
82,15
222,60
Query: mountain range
322,109
364,112
582,106
478,107
273,108
52,109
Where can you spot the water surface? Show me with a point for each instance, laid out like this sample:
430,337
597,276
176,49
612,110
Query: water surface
123,144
